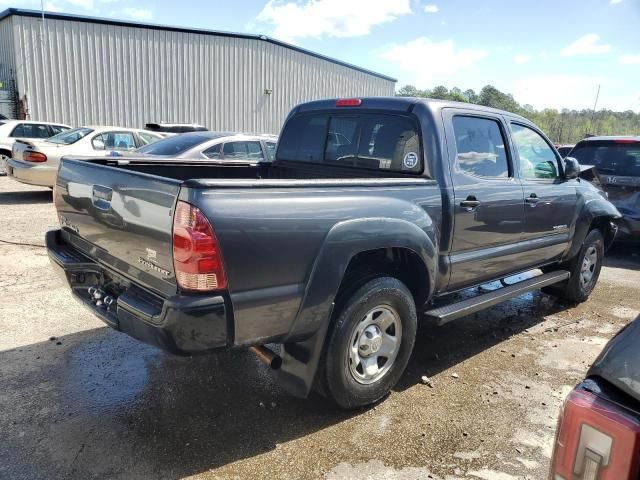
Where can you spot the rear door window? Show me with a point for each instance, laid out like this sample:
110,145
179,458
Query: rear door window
251,151
368,140
214,152
610,157
31,130
480,147
114,141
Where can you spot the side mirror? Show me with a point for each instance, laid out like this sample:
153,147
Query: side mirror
571,168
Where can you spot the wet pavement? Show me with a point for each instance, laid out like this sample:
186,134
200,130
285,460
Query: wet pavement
79,400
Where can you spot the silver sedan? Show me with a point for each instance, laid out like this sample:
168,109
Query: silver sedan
213,146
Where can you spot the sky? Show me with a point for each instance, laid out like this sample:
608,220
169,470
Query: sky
547,53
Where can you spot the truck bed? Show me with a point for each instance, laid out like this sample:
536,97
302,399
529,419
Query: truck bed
183,170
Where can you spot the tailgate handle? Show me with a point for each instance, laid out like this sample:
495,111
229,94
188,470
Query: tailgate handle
101,197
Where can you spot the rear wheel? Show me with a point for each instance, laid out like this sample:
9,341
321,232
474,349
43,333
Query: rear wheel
370,344
584,268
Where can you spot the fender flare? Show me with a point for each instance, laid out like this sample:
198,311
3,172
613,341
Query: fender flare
593,207
344,241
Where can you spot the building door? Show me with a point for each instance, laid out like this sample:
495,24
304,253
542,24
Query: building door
8,94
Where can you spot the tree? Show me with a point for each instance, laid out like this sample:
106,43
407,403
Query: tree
471,96
440,92
566,126
408,91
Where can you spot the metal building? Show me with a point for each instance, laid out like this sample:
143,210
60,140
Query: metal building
87,71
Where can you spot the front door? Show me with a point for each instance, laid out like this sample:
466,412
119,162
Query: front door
550,201
488,199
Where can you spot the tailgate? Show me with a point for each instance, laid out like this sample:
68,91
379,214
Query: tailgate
120,218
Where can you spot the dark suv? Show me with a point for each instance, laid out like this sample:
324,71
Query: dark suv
617,160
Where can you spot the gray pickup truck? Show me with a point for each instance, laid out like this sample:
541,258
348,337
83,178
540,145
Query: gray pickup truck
373,211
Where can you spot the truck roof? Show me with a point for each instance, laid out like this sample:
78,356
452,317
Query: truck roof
404,104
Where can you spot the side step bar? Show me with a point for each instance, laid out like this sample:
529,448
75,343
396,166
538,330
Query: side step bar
442,315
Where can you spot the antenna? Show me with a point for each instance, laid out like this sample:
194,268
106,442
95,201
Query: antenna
595,104
45,51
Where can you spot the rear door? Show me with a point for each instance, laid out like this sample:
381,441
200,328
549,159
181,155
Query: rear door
488,201
550,201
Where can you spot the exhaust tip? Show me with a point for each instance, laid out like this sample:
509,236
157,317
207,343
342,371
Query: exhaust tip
267,356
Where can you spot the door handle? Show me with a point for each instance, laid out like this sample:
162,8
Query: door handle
533,198
470,203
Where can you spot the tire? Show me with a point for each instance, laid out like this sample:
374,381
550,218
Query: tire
584,268
3,158
378,319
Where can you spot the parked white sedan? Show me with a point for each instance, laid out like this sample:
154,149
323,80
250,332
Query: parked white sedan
36,161
10,130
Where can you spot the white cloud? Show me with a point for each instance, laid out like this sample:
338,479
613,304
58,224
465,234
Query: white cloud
585,45
425,60
557,91
431,8
629,59
331,18
613,2
137,13
521,58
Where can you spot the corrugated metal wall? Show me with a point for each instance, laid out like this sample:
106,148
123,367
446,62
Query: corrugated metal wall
127,76
7,69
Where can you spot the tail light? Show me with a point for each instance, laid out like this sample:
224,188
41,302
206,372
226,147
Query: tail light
36,157
197,258
596,440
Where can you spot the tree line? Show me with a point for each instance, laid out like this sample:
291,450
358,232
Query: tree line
564,126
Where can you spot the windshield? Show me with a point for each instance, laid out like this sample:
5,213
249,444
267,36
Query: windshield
69,136
173,145
610,157
364,140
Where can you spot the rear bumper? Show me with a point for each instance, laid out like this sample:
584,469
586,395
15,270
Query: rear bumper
180,324
39,174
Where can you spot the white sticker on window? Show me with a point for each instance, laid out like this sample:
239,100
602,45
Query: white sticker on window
410,160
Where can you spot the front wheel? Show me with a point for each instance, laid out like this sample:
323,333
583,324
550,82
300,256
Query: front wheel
584,268
370,343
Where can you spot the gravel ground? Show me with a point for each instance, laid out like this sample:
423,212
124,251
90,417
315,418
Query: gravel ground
79,400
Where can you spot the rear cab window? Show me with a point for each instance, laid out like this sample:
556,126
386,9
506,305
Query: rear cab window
611,157
373,141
